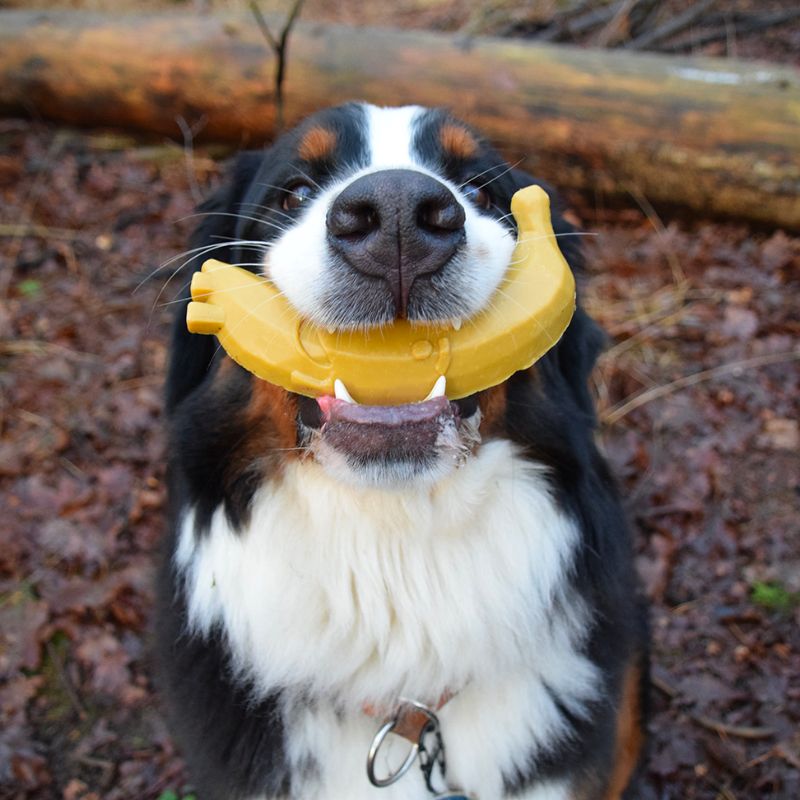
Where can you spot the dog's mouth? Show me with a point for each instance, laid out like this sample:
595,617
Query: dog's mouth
413,434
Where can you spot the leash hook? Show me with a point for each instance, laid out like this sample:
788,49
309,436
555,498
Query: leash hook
406,710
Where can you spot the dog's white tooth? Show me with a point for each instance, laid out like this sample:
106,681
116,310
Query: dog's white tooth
438,388
456,323
331,330
340,392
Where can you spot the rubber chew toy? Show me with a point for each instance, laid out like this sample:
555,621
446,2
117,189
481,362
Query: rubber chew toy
399,363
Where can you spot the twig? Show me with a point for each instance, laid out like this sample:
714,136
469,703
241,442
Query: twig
574,10
279,47
189,132
23,229
671,27
624,408
556,26
626,344
664,686
731,48
748,18
678,275
72,468
777,751
788,756
571,28
742,25
18,347
618,27
642,15
723,728
739,731
58,665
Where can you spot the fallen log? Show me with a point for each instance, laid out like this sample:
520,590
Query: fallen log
716,137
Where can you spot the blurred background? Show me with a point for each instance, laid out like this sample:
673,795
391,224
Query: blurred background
673,130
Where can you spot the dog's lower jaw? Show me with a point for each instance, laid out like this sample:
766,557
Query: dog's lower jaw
454,444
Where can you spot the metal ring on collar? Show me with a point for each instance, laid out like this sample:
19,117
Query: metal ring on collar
385,730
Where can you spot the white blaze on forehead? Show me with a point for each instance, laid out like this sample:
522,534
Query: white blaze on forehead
390,136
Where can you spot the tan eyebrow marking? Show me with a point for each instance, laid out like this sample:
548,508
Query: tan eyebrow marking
317,143
457,141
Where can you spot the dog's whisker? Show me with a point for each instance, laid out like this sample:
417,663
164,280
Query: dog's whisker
190,253
205,251
497,177
233,328
227,289
195,252
281,189
473,178
259,220
540,236
260,274
309,178
268,211
503,217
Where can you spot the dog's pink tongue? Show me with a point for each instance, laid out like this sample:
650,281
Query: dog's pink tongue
335,410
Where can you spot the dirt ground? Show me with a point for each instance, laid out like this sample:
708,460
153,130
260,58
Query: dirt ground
709,466
699,396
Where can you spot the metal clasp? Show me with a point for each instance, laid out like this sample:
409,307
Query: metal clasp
425,723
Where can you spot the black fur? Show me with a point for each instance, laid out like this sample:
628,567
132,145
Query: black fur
232,746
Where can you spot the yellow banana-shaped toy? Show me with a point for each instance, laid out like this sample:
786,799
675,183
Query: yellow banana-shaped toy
399,363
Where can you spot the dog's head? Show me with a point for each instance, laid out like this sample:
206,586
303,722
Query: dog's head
360,216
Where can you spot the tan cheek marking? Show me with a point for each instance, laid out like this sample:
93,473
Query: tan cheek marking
271,414
264,425
317,143
457,141
492,403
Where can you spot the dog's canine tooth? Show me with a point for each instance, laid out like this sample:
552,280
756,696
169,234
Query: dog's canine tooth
438,388
456,323
341,393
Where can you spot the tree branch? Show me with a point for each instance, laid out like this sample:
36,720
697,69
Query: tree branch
280,48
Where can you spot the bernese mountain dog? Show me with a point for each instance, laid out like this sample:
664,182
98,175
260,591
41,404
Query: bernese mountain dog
334,572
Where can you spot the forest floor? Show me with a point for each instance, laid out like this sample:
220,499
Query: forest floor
699,397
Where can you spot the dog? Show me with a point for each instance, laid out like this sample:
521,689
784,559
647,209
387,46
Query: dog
334,573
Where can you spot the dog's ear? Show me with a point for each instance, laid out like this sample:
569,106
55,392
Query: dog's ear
219,223
190,354
577,353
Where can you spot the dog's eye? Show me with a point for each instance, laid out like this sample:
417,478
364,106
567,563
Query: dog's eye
296,195
477,195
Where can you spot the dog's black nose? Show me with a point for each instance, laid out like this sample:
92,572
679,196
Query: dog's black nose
396,224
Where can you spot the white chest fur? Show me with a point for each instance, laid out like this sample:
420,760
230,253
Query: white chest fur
356,596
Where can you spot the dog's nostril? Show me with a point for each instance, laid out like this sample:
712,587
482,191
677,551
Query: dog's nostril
352,220
440,216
